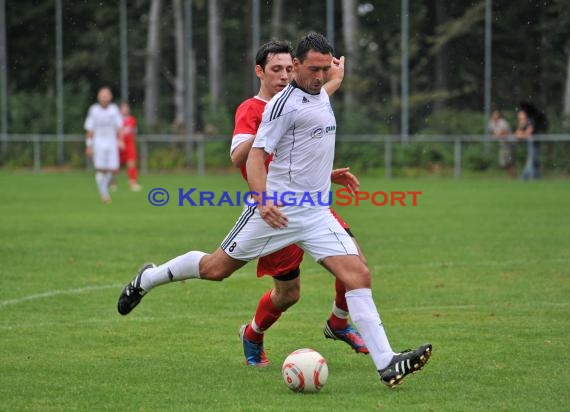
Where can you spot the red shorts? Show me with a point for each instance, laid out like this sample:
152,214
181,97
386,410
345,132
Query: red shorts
129,153
287,259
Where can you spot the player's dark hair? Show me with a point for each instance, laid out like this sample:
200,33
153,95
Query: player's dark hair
315,42
272,47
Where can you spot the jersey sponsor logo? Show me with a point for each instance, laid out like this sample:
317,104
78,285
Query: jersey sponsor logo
317,133
305,100
330,129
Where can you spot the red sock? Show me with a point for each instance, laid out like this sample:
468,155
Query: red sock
335,321
265,316
132,172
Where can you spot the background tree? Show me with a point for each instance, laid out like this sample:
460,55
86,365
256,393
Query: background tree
152,67
179,80
530,61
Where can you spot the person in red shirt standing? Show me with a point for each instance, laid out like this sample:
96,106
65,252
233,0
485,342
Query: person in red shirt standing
128,156
274,69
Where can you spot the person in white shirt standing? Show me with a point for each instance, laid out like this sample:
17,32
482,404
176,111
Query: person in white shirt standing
104,137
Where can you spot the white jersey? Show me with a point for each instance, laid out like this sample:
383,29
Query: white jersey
299,129
104,122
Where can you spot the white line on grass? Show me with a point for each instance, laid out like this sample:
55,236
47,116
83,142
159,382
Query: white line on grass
115,319
448,264
53,293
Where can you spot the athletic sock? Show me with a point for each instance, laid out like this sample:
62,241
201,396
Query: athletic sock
265,316
102,184
180,268
339,316
132,173
367,320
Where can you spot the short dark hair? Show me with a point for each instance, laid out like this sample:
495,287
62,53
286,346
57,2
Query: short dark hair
313,41
272,47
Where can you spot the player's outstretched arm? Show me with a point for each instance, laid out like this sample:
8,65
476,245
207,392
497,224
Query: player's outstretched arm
335,75
344,178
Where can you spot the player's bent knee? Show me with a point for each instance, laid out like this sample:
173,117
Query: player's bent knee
213,271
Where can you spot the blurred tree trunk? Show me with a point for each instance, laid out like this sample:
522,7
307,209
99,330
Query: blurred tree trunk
395,99
350,36
248,86
441,58
179,89
216,78
566,105
276,19
152,67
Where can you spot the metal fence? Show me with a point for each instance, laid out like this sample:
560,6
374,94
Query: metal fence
196,150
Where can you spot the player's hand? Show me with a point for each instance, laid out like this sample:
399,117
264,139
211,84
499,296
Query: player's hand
121,144
272,215
89,151
344,178
336,72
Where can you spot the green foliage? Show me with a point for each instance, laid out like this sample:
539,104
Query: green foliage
429,156
35,112
166,156
528,59
219,122
360,157
451,121
478,157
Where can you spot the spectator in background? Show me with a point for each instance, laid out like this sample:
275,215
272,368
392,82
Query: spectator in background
525,130
500,129
103,139
128,155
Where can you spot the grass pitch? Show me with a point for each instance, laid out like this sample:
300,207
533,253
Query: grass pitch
479,268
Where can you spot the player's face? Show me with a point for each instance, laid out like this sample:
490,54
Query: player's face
125,110
277,73
104,97
312,72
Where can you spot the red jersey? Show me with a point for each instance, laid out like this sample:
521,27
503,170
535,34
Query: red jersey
129,129
247,121
129,137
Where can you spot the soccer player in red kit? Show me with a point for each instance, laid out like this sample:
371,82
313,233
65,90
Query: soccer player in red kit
274,69
128,156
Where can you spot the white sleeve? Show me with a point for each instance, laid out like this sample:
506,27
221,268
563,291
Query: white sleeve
238,139
271,130
88,125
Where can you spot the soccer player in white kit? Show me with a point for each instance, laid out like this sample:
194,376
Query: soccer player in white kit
298,127
103,139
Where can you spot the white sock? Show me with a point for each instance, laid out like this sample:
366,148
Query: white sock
102,184
255,327
367,320
180,268
338,312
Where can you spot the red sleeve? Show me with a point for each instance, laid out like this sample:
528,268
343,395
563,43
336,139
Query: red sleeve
130,121
248,118
129,127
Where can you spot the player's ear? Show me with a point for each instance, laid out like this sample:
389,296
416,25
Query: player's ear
259,72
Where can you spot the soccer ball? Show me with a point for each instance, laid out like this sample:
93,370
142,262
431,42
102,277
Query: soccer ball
305,370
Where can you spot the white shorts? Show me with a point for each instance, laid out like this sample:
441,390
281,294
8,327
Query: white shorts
106,158
313,228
